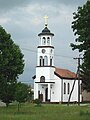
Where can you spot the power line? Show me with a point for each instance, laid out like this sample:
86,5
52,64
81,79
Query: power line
47,53
35,51
56,55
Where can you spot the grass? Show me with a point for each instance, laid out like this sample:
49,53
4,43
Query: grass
45,112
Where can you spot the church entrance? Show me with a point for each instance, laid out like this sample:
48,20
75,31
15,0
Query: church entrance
40,96
46,94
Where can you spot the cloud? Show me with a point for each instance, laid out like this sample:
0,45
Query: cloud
9,5
6,5
56,2
4,20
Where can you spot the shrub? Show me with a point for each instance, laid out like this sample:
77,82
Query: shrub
37,101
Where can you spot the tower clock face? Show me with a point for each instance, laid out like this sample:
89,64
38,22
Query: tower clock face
43,50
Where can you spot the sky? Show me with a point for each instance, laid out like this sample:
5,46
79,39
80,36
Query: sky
24,20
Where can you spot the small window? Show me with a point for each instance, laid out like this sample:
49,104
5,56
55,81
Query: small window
80,88
64,88
51,61
44,41
48,41
68,88
41,61
42,79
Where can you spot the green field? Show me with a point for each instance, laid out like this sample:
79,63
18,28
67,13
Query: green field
45,112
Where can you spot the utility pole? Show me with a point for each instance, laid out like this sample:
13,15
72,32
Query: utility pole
78,76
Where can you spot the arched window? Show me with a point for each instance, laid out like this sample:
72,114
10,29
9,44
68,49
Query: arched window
51,61
45,60
64,88
44,41
42,79
68,88
48,40
41,61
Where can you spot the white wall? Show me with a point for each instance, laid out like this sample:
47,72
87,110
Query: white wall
56,90
48,72
74,96
35,90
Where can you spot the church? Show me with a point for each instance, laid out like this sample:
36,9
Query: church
52,84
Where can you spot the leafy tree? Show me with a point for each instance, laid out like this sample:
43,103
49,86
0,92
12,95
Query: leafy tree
11,66
30,94
81,28
21,93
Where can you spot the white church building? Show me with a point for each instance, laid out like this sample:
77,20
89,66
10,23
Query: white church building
52,84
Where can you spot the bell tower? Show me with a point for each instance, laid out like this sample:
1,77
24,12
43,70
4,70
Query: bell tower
45,62
45,49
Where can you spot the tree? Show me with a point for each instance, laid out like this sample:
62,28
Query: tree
30,94
21,93
11,66
81,29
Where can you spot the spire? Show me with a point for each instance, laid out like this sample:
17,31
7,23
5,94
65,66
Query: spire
46,20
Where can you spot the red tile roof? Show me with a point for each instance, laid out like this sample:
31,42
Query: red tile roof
64,73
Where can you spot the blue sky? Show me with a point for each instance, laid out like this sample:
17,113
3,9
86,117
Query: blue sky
23,19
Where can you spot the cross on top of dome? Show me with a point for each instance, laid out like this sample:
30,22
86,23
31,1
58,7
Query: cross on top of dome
46,20
46,31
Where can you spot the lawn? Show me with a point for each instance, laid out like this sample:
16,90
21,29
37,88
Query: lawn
45,112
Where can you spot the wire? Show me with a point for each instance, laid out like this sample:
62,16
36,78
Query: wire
47,53
71,61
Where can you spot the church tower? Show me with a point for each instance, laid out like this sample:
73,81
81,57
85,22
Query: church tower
45,65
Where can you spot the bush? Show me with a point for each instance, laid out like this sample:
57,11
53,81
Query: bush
37,101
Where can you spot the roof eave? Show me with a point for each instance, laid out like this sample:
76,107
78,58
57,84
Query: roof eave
40,34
